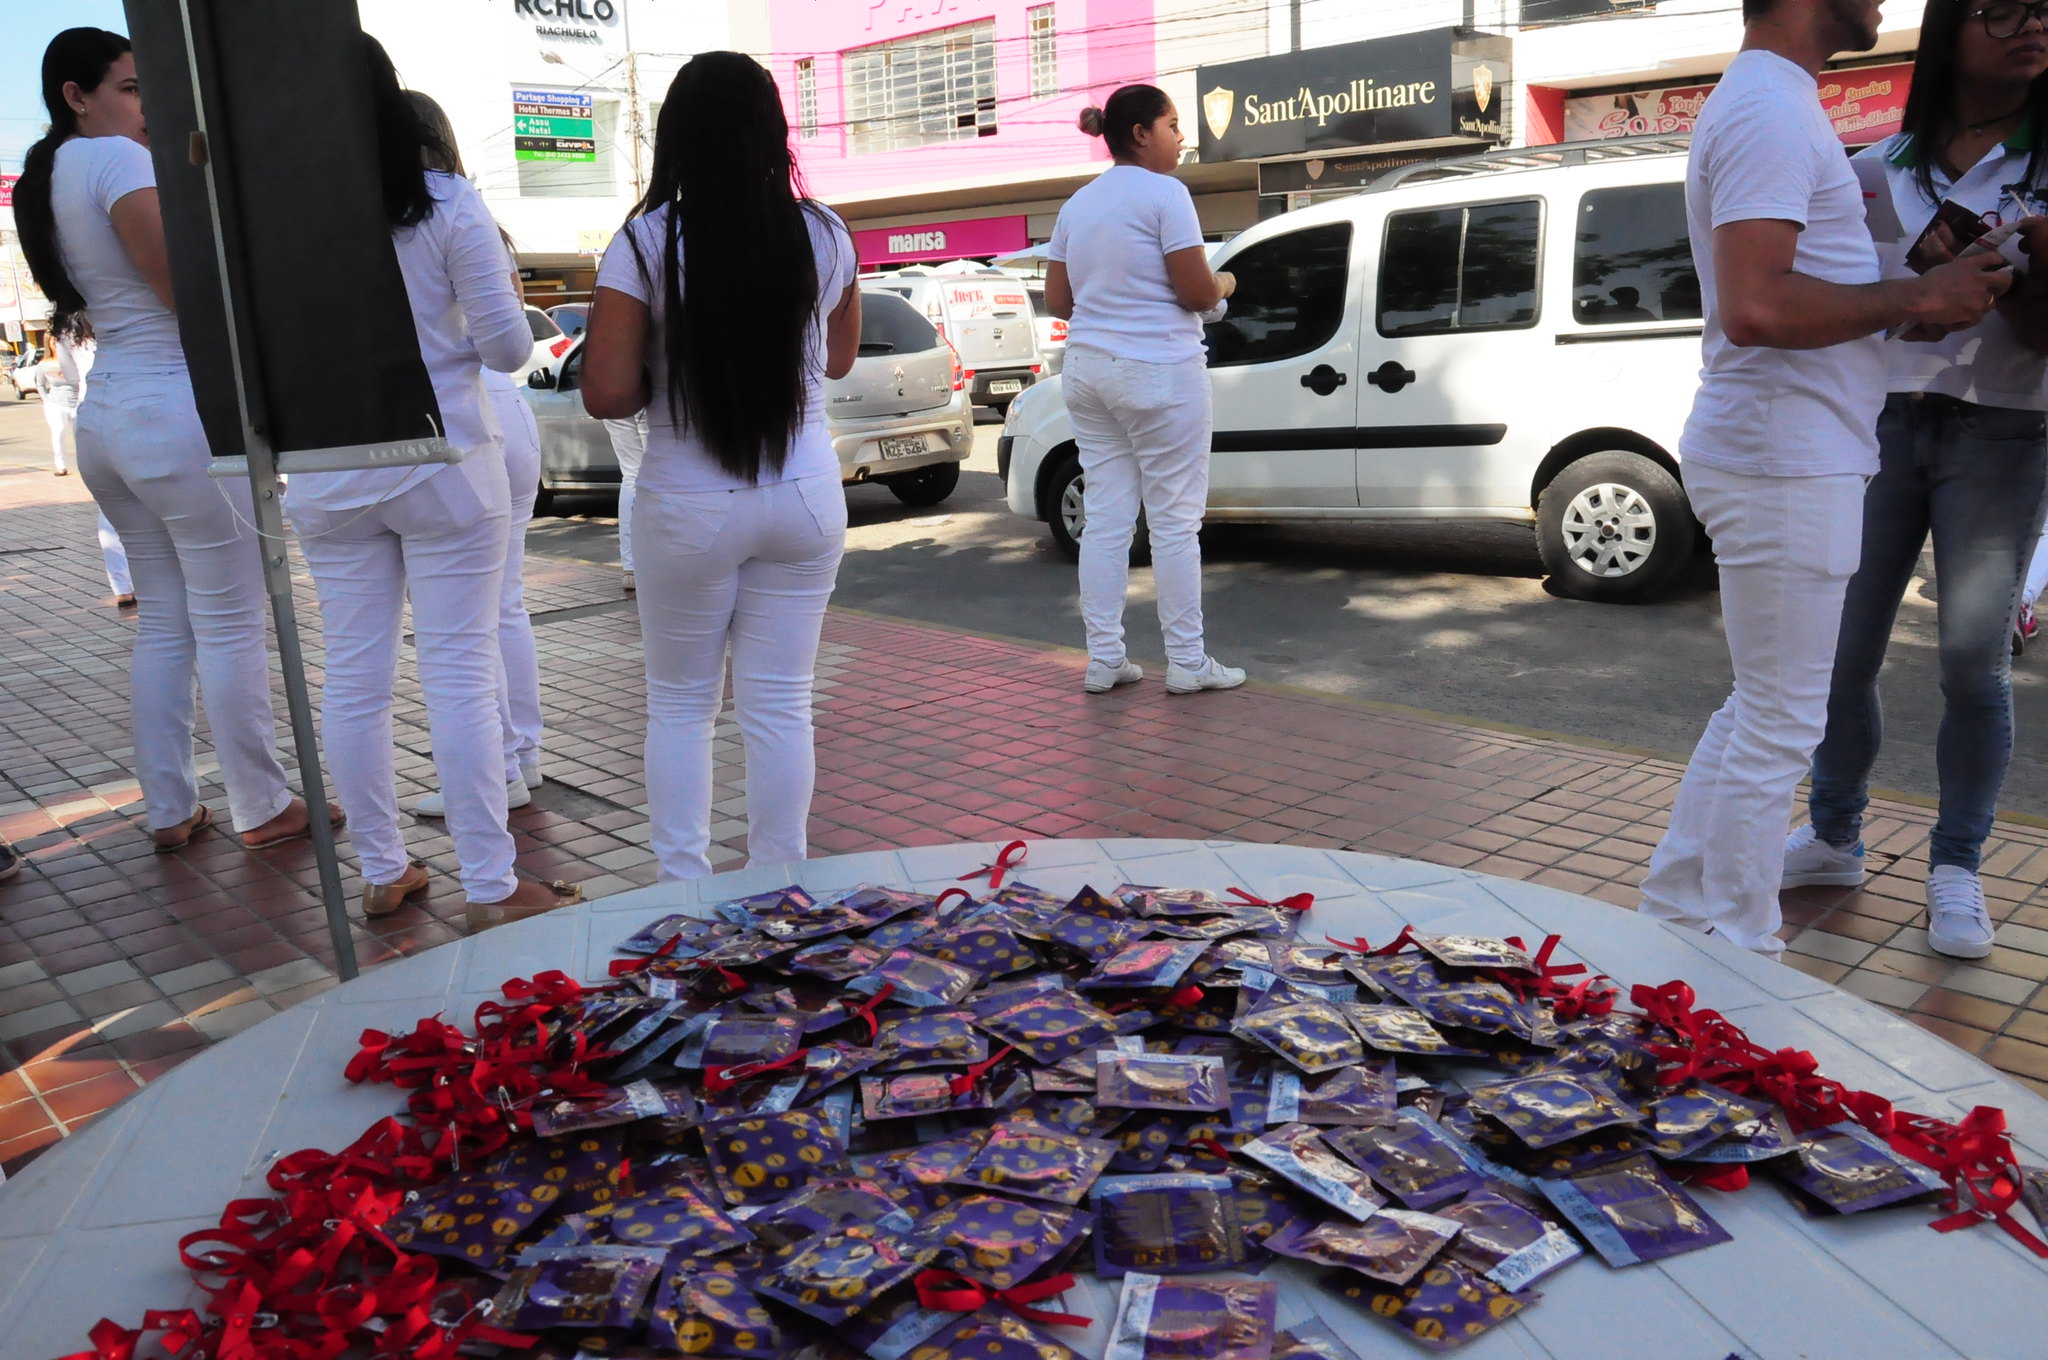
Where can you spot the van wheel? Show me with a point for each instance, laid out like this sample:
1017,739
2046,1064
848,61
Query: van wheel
1613,528
1069,515
925,486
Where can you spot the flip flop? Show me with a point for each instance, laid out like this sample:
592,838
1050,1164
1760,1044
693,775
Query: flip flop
203,821
338,820
481,916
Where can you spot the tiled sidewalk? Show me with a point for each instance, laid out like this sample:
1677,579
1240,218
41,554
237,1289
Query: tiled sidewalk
116,963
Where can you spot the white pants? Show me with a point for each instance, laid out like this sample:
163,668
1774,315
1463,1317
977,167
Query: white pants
2037,571
754,568
116,558
192,549
60,413
1143,431
1787,547
444,539
629,446
519,694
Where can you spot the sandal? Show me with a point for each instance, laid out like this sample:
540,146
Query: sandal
481,916
381,899
170,838
336,819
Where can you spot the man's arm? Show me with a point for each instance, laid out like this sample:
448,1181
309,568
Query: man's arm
1763,301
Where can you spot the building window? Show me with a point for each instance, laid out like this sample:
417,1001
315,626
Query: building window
1045,66
596,178
1459,269
935,87
807,98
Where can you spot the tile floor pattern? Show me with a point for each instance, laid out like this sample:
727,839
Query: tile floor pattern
116,963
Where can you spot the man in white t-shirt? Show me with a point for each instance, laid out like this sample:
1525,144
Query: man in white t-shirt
1782,437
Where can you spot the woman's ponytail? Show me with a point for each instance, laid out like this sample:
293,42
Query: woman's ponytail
77,56
1090,121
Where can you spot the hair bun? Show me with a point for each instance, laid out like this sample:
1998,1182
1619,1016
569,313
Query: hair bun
1090,121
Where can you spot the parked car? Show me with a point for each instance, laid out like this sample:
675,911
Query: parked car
572,317
1510,336
900,417
21,371
1052,332
986,314
549,344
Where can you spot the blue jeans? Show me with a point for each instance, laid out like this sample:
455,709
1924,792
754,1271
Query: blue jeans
1974,476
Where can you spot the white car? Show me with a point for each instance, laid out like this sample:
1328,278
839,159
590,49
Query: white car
549,344
22,373
1510,336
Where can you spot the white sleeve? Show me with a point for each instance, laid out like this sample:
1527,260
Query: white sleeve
482,276
1750,175
119,168
623,270
1180,228
67,361
1056,249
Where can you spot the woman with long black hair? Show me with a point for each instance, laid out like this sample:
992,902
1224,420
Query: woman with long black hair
436,533
736,295
92,231
1963,456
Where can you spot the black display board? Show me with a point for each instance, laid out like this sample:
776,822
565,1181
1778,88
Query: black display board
328,347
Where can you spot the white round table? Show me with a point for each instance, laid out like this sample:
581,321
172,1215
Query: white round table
90,1228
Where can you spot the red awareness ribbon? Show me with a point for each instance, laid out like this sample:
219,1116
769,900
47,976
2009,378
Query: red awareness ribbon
963,1082
866,1012
1729,1178
718,1080
1007,859
1578,1001
1204,1143
1300,901
951,893
953,1293
1405,940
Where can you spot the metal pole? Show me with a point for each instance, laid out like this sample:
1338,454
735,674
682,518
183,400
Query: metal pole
277,577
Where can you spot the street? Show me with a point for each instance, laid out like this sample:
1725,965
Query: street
1453,620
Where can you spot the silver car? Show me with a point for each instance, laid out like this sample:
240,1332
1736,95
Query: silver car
900,417
986,315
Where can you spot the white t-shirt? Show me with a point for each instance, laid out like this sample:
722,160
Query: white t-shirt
136,332
1114,236
1988,364
467,317
677,462
1763,150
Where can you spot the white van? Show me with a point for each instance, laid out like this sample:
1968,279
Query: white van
1509,336
987,316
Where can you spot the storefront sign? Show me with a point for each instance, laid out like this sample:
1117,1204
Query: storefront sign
552,127
574,23
1537,12
1341,172
967,237
7,190
1865,103
1443,85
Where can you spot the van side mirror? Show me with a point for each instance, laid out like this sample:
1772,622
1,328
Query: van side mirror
541,379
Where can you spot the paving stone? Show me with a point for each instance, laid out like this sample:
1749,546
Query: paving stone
103,975
196,975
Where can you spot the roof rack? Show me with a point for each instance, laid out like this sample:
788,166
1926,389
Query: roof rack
1500,159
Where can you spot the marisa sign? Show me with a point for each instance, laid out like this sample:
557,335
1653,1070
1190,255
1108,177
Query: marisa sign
1362,96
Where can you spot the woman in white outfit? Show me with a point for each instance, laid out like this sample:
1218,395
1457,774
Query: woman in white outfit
86,208
1129,274
731,300
436,532
629,446
61,379
519,679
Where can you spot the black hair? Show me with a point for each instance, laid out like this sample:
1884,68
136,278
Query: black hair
1930,116
1757,9
407,144
77,56
446,155
1130,108
738,350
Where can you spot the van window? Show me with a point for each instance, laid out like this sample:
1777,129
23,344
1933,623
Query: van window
1289,298
1633,262
889,325
1460,269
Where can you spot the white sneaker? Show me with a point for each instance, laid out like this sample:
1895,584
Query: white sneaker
1101,679
627,582
529,772
1811,862
517,795
1957,924
1213,675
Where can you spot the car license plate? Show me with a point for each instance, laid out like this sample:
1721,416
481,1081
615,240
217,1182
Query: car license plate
903,446
1006,387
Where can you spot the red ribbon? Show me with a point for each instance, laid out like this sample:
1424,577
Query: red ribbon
948,895
954,1293
866,1011
1405,940
1003,864
718,1080
1204,1143
1300,901
963,1082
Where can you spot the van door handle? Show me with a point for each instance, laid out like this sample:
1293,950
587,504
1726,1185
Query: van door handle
1323,380
1390,377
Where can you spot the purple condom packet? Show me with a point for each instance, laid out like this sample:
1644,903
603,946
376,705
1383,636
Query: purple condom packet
1507,1243
1361,1096
1265,1205
1074,1113
993,1334
1298,1155
1553,1107
1036,1162
1631,1212
693,931
1167,1225
1398,1028
734,1040
1144,1145
917,980
745,911
1476,951
1240,921
677,1219
833,1277
1160,1081
1311,1340
828,1064
1312,1035
475,1219
878,905
1445,1306
1051,1025
989,947
836,960
895,1326
705,1308
590,1286
1849,1169
1393,1245
828,1206
623,1105
904,930
1149,963
1313,966
1168,902
1683,1121
1587,1152
758,1159
997,1241
929,1038
1416,1160
907,1095
1158,1319
1096,938
1760,1139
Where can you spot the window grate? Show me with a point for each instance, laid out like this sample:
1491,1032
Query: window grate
1044,43
936,87
807,98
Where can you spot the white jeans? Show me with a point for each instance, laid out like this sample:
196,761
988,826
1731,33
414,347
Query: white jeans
519,693
1786,547
444,539
754,568
60,413
1143,431
629,446
191,547
116,558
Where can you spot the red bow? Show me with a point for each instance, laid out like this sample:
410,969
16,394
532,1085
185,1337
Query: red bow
1405,940
718,1080
963,1082
953,1293
1007,859
1300,901
866,1012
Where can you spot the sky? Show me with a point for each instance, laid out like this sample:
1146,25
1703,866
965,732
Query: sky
29,30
